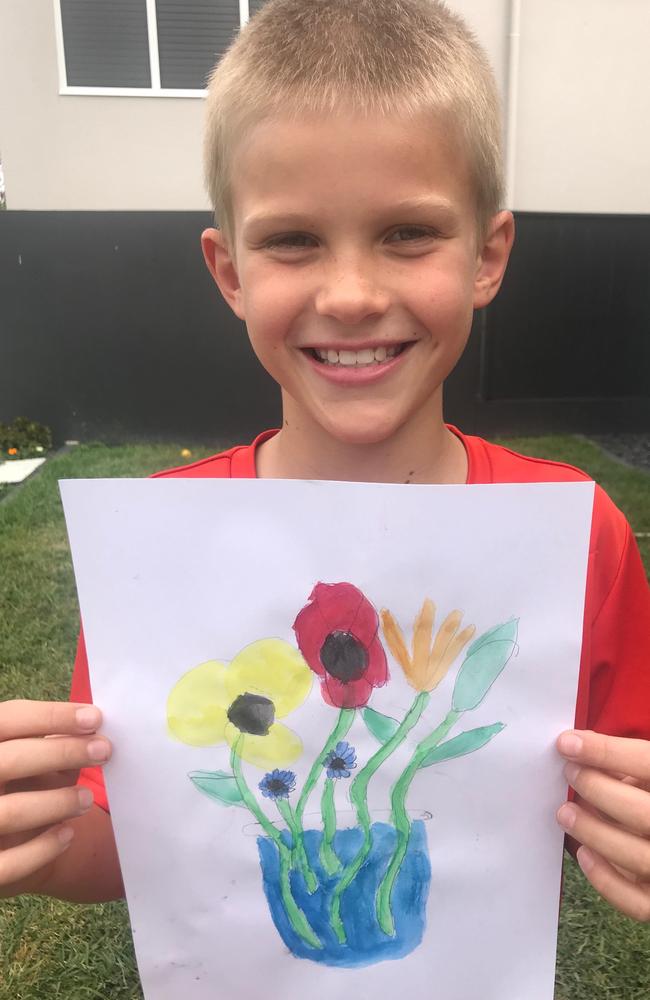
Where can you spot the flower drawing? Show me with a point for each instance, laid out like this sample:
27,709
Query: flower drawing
239,703
277,784
430,659
347,883
340,761
337,632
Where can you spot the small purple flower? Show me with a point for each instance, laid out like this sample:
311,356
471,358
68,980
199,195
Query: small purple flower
277,784
340,761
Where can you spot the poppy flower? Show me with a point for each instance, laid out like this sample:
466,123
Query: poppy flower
430,658
239,702
337,632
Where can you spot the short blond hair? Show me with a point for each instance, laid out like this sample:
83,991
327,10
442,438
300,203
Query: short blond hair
386,57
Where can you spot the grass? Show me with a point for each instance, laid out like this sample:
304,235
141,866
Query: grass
50,949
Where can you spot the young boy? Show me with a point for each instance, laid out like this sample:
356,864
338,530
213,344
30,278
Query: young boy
353,159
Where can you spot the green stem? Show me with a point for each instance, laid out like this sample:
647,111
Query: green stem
359,798
343,723
298,853
341,729
296,917
328,858
402,821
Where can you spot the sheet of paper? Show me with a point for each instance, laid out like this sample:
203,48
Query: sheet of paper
334,708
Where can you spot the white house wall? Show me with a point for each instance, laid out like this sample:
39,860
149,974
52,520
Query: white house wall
88,153
582,142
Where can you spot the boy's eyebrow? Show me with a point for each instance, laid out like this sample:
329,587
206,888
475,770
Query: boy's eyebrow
276,219
264,219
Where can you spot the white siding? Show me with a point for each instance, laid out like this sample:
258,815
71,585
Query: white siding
88,153
583,135
582,144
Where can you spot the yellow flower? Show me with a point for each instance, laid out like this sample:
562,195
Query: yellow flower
428,662
238,702
186,453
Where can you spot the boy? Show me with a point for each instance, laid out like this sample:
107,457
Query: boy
352,156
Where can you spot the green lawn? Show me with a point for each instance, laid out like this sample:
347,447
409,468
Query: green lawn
50,949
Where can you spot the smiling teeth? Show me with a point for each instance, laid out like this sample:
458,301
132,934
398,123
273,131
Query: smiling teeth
368,356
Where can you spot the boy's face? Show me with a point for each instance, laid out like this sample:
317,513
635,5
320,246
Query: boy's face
356,266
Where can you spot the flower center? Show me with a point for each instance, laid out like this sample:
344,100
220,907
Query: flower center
344,657
276,786
252,713
338,764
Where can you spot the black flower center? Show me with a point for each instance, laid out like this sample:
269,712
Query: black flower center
276,786
344,657
338,764
252,713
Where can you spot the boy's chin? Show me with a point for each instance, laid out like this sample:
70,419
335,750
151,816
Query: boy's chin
367,430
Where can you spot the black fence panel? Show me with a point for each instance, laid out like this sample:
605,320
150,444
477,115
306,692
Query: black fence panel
111,329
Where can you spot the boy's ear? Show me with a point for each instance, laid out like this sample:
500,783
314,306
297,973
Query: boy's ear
221,265
493,257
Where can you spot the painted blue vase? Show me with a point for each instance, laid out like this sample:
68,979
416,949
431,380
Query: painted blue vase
366,943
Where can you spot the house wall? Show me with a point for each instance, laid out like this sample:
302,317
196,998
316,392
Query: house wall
110,327
78,153
583,97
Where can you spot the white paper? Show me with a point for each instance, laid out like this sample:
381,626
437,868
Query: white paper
173,573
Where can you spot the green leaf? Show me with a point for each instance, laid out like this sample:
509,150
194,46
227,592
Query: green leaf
506,631
218,785
462,744
382,727
484,661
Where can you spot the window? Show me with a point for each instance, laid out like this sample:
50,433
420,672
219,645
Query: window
144,47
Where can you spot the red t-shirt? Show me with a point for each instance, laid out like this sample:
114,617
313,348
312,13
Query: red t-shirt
614,683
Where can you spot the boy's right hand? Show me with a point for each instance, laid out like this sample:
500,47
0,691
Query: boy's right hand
42,747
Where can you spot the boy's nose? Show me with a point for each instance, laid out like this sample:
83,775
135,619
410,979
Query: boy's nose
350,295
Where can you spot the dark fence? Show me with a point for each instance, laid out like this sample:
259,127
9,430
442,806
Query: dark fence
111,329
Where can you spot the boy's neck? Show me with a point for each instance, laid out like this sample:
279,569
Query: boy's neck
423,451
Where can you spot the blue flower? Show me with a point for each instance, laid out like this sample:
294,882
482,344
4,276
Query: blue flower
340,761
277,784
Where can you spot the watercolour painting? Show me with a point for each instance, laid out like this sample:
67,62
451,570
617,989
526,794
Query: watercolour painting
333,708
354,895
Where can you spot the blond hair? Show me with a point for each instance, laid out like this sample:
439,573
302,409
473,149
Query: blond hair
386,57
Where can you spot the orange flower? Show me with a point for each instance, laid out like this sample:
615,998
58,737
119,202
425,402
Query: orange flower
12,451
429,661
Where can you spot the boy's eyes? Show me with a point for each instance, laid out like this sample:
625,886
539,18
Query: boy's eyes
298,240
301,241
407,234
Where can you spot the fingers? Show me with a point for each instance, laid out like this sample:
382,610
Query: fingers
23,811
615,754
16,863
19,719
617,846
631,898
620,800
29,757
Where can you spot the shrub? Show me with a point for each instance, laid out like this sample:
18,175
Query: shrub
23,438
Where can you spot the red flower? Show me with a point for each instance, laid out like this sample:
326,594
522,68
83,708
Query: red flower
337,633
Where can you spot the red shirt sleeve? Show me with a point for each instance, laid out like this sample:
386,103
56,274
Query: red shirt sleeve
614,691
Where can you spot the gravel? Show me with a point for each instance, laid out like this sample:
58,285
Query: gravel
633,449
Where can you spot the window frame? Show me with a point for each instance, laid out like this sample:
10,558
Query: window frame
155,90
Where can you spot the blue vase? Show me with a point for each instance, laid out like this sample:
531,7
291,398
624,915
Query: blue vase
366,943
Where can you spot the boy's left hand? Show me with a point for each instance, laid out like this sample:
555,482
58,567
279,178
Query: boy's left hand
610,816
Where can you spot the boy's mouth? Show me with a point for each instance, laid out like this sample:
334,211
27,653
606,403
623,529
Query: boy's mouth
356,359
